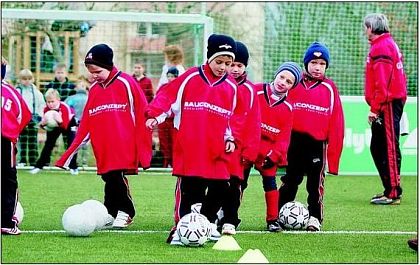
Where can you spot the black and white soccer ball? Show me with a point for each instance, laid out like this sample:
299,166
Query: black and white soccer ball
294,216
193,229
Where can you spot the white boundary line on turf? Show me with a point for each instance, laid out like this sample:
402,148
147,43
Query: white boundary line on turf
239,232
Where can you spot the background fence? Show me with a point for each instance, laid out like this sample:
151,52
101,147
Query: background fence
273,31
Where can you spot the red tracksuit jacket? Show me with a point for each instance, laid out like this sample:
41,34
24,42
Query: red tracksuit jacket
318,112
15,114
202,105
67,114
384,77
276,126
113,119
247,126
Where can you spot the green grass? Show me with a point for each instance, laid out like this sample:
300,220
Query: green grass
47,195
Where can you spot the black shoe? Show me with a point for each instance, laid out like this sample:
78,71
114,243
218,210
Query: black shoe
413,243
273,226
171,235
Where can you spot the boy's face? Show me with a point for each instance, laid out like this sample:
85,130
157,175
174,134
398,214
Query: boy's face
26,80
316,68
170,77
60,74
236,69
138,69
52,102
220,65
98,73
284,81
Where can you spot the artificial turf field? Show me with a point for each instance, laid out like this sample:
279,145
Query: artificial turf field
353,230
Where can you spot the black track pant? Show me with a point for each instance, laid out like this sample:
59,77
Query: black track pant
9,183
385,147
28,143
117,194
305,156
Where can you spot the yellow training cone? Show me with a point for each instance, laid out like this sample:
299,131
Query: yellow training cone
227,243
253,256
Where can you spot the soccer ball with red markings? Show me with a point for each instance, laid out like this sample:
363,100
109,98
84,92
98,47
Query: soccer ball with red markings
294,216
193,229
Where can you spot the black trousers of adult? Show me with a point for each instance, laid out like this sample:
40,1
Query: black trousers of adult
117,194
28,143
385,147
305,156
52,136
9,183
193,190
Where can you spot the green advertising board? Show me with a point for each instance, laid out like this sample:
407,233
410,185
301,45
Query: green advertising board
356,158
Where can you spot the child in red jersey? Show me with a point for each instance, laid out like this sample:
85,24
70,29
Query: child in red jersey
66,125
203,100
276,125
247,134
317,134
144,82
113,120
15,115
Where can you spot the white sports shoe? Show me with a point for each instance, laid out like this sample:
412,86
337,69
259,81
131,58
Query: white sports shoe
214,234
74,171
35,170
176,241
122,220
313,224
228,229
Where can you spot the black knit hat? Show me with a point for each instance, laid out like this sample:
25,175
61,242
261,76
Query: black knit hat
100,55
241,54
173,70
220,45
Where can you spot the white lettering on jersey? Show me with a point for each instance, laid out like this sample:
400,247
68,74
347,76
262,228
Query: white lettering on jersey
107,107
208,106
310,107
270,128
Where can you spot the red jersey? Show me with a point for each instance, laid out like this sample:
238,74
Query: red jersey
113,119
384,77
318,112
146,85
202,105
67,114
15,114
276,126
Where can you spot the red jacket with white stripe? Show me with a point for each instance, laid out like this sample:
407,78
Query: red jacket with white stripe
113,119
202,105
384,77
318,112
67,114
276,126
15,114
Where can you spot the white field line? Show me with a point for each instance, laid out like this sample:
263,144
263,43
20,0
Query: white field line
239,232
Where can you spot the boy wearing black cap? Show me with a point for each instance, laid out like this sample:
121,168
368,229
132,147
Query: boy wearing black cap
276,125
203,100
315,98
113,119
247,124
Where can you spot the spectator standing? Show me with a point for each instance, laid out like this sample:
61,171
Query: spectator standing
385,93
61,82
28,139
174,56
144,82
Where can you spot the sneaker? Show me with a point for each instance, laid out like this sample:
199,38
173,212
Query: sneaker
74,171
376,196
214,234
196,207
122,220
108,224
173,238
228,229
35,170
313,224
21,164
413,243
273,226
10,231
386,201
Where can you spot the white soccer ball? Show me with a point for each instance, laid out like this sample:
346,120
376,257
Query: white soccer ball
294,215
78,221
51,120
98,210
19,213
193,229
196,207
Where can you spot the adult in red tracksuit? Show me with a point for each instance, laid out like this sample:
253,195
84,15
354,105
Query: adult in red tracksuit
15,115
203,100
247,124
276,126
386,93
113,120
317,134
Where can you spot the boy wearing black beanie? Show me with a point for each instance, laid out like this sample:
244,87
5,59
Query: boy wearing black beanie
113,120
315,98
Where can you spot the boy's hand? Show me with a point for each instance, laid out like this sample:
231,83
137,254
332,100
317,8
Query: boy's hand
229,147
150,123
